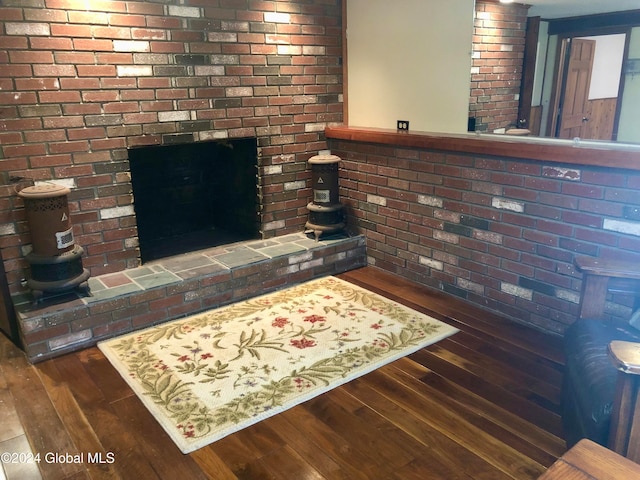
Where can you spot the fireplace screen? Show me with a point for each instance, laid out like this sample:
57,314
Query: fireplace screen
194,196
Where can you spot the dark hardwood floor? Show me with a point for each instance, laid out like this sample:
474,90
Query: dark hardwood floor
482,404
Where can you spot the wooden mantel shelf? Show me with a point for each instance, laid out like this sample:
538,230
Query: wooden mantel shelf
624,157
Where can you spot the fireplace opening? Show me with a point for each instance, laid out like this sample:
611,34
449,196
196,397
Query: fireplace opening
194,196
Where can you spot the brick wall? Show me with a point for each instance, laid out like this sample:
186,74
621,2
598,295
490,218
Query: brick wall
498,232
78,87
496,71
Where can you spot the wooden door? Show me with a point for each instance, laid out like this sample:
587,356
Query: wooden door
576,92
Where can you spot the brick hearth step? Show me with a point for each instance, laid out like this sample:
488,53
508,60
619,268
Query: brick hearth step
174,287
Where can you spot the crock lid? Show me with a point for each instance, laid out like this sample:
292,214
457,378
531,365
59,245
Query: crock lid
44,190
324,159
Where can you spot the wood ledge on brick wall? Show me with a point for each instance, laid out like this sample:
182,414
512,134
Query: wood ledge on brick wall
623,157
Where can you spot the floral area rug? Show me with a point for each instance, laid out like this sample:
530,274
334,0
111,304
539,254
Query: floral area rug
214,373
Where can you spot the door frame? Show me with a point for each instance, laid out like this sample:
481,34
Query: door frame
579,26
560,74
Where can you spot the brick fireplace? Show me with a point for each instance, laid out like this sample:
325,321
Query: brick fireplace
84,84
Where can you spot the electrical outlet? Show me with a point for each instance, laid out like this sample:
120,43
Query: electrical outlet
403,124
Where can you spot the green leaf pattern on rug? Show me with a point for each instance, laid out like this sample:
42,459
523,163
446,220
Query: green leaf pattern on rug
254,341
230,350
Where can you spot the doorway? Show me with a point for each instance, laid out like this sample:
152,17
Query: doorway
587,87
589,80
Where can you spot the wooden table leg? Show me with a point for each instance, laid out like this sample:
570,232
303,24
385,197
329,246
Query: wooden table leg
594,295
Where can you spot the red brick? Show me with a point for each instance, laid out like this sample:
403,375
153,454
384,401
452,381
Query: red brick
127,20
81,109
44,136
112,32
150,318
30,57
93,45
167,47
583,219
46,333
113,328
59,97
96,70
66,147
580,190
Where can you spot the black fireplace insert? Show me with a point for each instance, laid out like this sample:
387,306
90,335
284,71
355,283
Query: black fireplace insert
194,196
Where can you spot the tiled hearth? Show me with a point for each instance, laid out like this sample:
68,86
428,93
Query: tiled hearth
177,286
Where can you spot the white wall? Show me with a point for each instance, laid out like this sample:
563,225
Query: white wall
629,124
607,65
409,60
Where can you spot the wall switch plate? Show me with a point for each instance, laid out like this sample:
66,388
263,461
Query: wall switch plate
403,124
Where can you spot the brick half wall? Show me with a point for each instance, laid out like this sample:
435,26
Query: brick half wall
501,233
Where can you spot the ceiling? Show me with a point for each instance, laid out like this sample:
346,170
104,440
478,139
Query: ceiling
573,8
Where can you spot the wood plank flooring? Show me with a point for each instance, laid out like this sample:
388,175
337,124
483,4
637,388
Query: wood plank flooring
482,404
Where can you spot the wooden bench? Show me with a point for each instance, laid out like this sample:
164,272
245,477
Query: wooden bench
589,461
598,278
